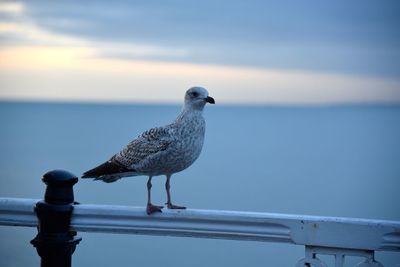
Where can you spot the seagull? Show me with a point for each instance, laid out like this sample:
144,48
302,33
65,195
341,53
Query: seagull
162,150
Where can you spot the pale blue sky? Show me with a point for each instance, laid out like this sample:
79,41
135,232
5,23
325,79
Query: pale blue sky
347,44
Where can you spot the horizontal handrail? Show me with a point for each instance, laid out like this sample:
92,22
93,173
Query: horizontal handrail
335,232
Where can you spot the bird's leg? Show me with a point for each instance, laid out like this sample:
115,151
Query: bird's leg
150,207
169,203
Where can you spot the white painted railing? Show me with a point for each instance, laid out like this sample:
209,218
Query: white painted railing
339,237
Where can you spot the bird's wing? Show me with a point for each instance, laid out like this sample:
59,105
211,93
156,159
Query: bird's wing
146,145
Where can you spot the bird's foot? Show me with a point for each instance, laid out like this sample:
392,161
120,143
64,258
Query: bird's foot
172,206
153,208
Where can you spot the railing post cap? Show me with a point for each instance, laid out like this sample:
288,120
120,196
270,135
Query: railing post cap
59,178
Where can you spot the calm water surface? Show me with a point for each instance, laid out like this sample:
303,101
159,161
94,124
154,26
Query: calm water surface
333,161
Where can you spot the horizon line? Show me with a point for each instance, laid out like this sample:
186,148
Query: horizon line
177,103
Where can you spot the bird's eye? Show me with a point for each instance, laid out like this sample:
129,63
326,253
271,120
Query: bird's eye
195,94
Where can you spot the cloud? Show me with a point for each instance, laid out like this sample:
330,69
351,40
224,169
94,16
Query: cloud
11,7
65,73
335,37
24,33
190,22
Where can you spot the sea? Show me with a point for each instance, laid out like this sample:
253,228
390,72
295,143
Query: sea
339,160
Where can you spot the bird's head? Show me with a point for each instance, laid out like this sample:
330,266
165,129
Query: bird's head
197,97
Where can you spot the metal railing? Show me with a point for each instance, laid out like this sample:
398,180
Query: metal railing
335,236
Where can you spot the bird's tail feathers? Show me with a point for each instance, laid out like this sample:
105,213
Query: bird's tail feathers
110,171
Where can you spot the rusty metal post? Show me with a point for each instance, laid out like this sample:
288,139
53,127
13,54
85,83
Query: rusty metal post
55,242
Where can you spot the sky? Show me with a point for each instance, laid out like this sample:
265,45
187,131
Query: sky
249,52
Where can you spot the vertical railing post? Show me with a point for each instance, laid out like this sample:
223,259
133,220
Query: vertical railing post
55,242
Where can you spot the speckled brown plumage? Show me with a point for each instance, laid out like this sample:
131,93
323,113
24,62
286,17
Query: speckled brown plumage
161,150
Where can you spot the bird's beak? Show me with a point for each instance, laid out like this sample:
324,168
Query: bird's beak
210,100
